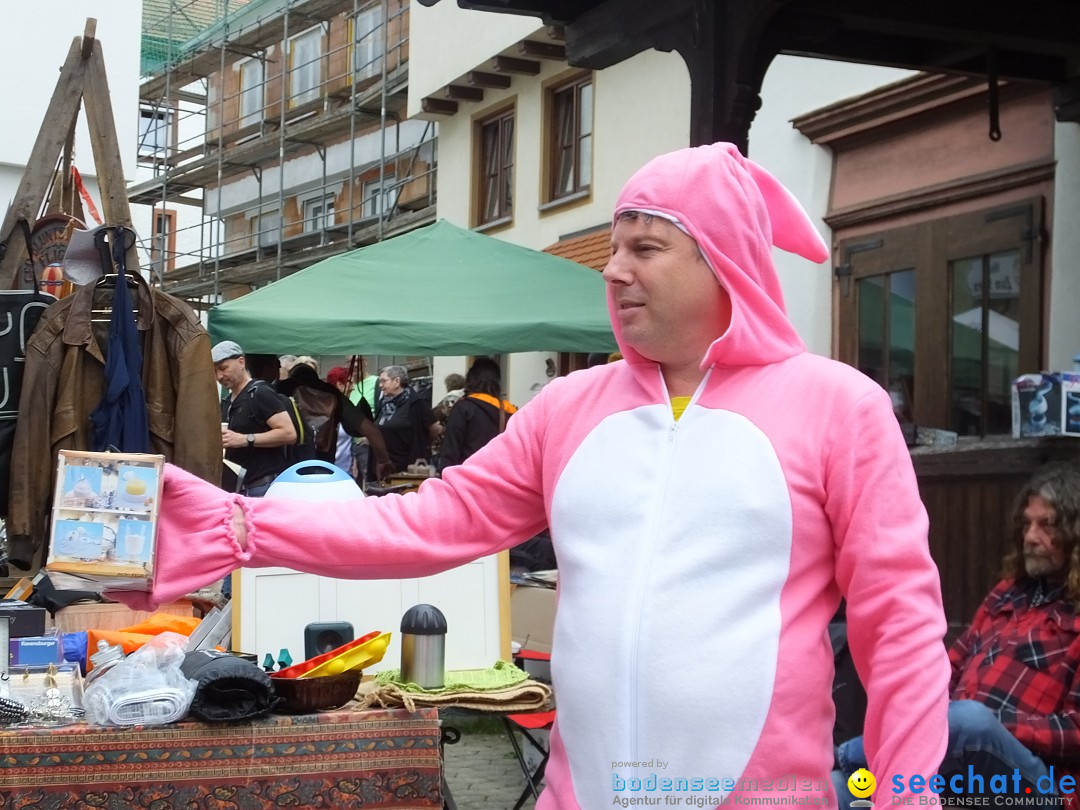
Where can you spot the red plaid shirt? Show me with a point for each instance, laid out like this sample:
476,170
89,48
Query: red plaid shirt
1021,657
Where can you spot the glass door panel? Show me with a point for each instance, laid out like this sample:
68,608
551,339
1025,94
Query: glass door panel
984,355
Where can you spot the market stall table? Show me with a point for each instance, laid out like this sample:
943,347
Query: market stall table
373,758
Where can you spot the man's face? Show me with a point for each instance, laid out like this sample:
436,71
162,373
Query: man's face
230,372
1043,556
668,302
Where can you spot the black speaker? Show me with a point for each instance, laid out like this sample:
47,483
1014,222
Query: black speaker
320,637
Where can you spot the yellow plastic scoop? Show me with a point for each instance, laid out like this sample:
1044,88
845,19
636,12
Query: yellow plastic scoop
358,657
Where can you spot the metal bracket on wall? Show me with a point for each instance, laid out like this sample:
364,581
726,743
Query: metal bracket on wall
844,272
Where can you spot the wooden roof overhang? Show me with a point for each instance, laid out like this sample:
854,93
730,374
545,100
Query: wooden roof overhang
729,44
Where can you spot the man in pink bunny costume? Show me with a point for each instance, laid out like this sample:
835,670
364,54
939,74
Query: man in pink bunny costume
710,499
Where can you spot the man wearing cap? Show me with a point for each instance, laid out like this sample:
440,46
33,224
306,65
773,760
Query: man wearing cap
710,497
255,421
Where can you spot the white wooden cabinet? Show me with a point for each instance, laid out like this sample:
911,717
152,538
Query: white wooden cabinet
272,606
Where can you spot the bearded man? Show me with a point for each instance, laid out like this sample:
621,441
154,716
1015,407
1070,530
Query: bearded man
1015,687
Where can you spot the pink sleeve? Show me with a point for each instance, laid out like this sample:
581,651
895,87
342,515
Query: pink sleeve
490,503
896,622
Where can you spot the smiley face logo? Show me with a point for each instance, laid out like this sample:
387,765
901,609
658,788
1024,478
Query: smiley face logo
861,783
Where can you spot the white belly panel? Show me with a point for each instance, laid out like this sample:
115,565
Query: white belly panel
673,548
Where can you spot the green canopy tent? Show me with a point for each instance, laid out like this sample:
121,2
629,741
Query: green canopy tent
438,290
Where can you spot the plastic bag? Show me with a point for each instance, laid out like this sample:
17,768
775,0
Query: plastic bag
146,688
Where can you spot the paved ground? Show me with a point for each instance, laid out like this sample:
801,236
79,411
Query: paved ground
481,769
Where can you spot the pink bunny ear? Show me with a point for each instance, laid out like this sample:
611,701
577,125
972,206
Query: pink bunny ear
791,227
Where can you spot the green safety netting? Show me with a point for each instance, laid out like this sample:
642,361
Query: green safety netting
172,29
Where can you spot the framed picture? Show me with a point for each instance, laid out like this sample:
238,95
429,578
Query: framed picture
104,520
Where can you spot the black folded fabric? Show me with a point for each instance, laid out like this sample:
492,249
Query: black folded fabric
48,596
230,688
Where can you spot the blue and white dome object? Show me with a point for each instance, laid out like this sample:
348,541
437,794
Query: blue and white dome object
314,481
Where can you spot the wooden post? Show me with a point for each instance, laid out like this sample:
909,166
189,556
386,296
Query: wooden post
82,79
63,109
110,169
89,37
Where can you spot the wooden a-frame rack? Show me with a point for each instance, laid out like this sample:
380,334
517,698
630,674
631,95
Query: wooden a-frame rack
82,81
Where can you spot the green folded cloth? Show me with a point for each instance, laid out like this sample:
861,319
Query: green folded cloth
500,676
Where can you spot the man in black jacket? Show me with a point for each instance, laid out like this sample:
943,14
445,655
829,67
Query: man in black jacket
255,421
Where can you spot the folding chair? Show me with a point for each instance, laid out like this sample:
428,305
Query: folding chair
527,723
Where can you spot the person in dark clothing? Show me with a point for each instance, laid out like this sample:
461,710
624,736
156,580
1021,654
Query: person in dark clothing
264,367
405,419
478,417
325,407
255,421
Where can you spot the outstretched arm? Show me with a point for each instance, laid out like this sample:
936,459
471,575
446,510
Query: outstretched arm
356,423
489,504
383,466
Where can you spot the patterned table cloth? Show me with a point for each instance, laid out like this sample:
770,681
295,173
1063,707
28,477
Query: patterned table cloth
371,759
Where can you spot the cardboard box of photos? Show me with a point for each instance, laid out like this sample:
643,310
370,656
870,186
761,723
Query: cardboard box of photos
104,519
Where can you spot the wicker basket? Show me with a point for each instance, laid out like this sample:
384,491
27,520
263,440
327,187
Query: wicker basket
305,695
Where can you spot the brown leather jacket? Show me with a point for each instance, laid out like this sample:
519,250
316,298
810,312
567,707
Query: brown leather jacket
64,381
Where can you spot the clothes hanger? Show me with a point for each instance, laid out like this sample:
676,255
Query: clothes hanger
112,245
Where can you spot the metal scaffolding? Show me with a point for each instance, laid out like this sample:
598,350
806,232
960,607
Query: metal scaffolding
282,121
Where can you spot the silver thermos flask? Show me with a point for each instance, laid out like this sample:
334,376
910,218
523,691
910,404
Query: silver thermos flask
423,646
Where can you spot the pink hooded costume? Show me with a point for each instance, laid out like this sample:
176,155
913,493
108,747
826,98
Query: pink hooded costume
700,561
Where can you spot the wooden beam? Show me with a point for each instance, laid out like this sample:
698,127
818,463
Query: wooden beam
460,92
62,111
88,37
63,199
481,78
543,50
438,106
511,64
110,168
614,30
1067,101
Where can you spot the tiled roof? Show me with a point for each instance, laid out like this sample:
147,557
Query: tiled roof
592,249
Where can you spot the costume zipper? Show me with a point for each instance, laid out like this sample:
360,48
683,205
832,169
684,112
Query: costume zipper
647,566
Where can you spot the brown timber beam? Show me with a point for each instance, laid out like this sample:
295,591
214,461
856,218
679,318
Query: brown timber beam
480,78
459,92
438,106
511,64
543,50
